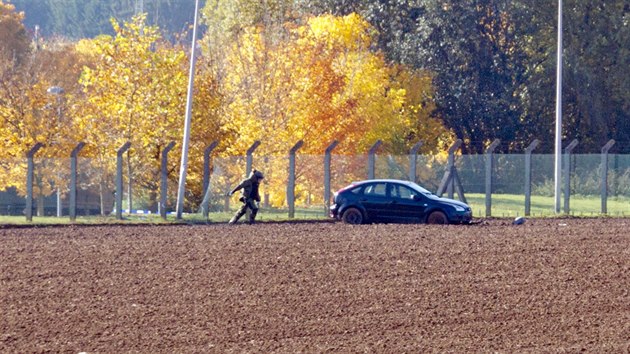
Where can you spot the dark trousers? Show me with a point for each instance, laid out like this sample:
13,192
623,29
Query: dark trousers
248,204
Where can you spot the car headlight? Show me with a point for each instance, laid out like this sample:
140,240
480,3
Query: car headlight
459,208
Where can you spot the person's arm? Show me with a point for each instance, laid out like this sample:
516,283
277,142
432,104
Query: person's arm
237,188
257,196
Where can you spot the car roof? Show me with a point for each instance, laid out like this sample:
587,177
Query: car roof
410,184
383,180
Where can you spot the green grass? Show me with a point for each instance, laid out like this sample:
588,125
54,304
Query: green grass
503,205
265,214
509,205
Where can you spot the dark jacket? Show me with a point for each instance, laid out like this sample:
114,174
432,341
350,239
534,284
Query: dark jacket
249,187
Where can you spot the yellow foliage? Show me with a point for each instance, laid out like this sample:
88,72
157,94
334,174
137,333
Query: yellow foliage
136,92
29,115
321,83
14,40
350,32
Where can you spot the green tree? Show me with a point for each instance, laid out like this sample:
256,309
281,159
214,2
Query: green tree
595,49
473,48
394,20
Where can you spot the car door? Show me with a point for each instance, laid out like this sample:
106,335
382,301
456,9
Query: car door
375,200
407,203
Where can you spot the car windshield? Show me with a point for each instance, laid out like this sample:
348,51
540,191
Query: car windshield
422,190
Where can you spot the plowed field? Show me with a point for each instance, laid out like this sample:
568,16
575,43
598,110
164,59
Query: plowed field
551,285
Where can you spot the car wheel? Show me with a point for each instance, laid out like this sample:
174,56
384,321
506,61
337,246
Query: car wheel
437,218
352,216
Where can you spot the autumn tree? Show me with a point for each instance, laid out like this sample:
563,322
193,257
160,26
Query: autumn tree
136,92
29,113
320,82
14,40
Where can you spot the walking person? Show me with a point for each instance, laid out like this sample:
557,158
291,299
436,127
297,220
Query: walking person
250,198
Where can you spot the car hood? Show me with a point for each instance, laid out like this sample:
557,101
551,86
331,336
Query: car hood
453,202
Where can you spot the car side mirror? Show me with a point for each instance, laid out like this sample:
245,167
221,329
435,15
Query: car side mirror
417,198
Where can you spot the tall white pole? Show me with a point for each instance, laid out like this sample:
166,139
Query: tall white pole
191,79
558,152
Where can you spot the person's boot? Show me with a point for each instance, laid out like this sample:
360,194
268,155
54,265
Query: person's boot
234,219
252,217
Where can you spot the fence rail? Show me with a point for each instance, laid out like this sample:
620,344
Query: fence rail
81,186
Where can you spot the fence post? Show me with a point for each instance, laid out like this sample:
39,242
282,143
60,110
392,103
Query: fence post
604,172
206,165
413,163
489,167
119,178
291,182
450,167
528,175
250,152
29,180
164,179
73,180
206,178
327,160
372,158
567,174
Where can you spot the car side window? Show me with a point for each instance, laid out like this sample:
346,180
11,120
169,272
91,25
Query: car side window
403,192
376,189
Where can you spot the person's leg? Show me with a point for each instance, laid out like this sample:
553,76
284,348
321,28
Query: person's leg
240,212
254,208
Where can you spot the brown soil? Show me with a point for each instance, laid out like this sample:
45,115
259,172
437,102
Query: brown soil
551,285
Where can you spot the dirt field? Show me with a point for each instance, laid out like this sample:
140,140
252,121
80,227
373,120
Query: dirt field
552,285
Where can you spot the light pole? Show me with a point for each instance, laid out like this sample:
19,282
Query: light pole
57,91
558,151
181,191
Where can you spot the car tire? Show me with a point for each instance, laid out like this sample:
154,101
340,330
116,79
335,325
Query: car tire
437,218
352,216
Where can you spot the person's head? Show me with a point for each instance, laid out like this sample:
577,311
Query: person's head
258,176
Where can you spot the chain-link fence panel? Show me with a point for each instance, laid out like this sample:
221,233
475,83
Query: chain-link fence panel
12,186
227,173
346,169
96,183
95,187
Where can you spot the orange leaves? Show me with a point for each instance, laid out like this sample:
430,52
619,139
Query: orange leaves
317,79
319,82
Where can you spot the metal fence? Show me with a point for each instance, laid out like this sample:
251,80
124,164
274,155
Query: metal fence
494,184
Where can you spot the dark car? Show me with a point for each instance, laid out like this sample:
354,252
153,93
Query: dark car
390,200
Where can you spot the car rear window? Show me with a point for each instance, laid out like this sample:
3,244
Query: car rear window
356,190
